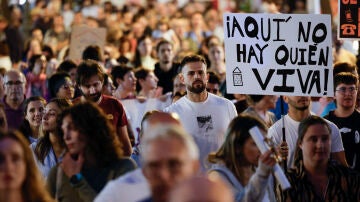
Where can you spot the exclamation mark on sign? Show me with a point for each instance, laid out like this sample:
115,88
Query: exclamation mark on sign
326,81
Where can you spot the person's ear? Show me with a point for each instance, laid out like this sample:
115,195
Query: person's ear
118,81
181,78
141,82
286,99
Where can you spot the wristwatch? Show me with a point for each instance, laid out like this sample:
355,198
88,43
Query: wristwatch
75,179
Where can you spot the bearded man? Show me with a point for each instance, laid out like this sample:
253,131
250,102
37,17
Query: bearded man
204,115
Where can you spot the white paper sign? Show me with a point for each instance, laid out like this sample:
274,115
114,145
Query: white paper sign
278,54
82,37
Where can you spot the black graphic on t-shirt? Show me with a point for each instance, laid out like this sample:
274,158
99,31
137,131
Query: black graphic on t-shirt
205,123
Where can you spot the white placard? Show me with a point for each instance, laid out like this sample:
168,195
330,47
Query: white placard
259,139
83,36
278,54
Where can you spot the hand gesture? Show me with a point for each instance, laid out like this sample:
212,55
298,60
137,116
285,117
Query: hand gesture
284,150
71,166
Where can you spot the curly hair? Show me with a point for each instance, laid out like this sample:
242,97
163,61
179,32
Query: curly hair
33,185
92,122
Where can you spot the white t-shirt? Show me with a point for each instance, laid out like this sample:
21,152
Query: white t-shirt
49,161
135,111
206,121
291,134
130,187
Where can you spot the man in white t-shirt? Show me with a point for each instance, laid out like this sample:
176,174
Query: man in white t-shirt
204,115
298,111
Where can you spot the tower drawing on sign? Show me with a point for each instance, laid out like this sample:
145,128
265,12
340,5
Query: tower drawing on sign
237,77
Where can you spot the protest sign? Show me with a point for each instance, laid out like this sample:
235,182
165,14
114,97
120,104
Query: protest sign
278,54
83,36
349,19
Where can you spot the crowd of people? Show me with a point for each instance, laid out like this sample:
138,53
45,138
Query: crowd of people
146,117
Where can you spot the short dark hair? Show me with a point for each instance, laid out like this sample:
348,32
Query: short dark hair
55,82
92,52
344,67
192,58
162,42
119,72
49,50
213,77
32,61
66,66
142,73
87,69
347,78
256,98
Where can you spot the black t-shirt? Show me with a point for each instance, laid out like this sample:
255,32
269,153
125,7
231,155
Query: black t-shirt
166,78
349,128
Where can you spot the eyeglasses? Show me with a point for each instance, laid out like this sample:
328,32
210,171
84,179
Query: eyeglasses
343,90
14,83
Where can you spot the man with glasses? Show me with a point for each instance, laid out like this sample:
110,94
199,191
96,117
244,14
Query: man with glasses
13,100
90,78
346,117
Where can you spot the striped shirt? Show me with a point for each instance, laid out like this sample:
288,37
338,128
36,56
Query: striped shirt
343,185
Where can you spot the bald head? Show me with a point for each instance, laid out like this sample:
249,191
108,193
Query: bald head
157,118
201,188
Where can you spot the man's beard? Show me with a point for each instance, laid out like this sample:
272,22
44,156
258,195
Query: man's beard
303,108
197,89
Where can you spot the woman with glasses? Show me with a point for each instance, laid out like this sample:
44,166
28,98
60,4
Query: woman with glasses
51,145
33,113
61,86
